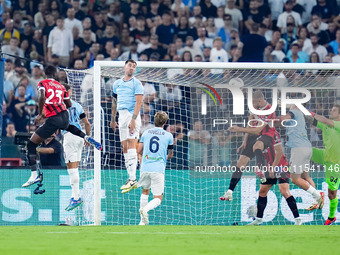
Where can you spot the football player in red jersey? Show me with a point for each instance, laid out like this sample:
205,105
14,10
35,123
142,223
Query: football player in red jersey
278,171
258,137
53,100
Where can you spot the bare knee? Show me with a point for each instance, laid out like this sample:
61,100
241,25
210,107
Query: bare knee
159,197
146,191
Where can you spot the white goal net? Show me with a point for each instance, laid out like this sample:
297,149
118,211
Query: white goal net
202,100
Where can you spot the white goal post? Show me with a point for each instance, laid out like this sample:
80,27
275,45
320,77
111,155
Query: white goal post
99,66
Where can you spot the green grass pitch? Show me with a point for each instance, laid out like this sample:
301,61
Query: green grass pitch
149,240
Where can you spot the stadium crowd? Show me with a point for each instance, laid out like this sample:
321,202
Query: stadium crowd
74,33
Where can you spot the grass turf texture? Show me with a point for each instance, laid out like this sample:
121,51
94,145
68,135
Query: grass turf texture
90,240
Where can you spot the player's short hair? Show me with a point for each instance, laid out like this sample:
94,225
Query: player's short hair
337,106
257,95
160,118
130,61
50,71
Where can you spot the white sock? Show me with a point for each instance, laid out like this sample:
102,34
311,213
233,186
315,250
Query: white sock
230,191
74,181
144,199
34,174
152,204
131,163
315,193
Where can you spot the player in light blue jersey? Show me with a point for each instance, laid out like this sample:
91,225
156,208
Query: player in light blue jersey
300,155
129,91
73,146
155,147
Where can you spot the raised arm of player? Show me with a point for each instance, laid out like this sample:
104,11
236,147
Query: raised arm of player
249,130
138,105
323,120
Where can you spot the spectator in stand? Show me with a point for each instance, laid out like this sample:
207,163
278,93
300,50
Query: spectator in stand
236,15
60,42
199,139
206,54
70,22
327,11
187,57
9,68
219,19
146,124
8,90
208,9
235,39
331,31
172,50
211,29
277,55
224,31
50,152
321,50
79,14
303,56
131,54
134,11
335,44
39,21
282,19
37,76
189,46
8,32
328,58
114,14
83,45
265,9
50,24
4,17
155,48
218,54
182,28
125,40
12,49
290,35
136,33
9,133
144,43
78,65
114,55
16,110
30,92
202,40
6,119
316,26
196,13
37,44
150,16
20,71
18,21
170,96
166,31
295,58
253,15
177,7
336,58
253,46
99,25
87,24
304,38
23,7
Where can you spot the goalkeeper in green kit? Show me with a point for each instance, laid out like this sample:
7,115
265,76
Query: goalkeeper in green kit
330,156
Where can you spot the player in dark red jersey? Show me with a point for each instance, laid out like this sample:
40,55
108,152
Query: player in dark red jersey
53,99
258,137
278,171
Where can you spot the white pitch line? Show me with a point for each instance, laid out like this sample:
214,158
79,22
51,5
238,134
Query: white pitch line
164,233
64,232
